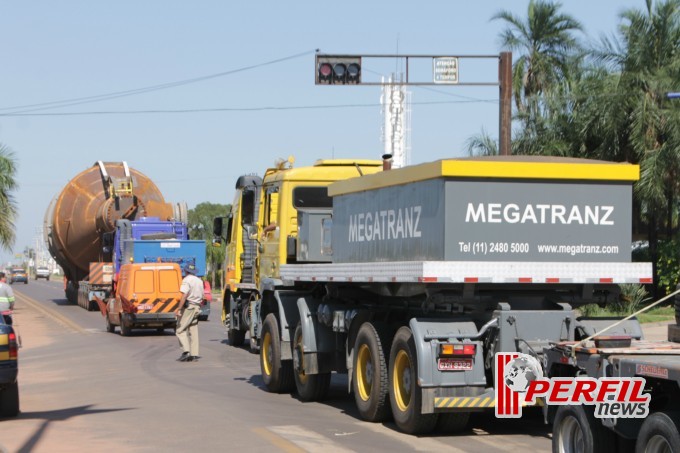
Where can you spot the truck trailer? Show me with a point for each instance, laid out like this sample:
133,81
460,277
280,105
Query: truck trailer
412,280
87,223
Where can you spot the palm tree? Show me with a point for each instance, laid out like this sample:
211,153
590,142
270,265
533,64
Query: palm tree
548,61
8,207
546,48
641,124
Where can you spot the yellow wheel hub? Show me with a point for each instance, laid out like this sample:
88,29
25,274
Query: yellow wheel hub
266,352
402,380
364,372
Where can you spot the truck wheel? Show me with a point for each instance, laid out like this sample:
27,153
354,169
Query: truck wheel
91,305
236,337
659,433
276,373
125,329
9,400
110,328
452,422
576,429
310,387
405,393
370,381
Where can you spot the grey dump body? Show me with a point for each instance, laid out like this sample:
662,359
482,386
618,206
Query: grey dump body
462,220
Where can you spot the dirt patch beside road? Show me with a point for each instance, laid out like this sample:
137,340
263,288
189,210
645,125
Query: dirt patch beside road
48,421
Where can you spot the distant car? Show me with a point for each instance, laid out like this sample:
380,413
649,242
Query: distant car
19,275
9,384
42,272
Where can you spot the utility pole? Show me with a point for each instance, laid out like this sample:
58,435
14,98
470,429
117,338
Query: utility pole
505,95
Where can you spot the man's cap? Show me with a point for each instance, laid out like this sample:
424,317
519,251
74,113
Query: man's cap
190,268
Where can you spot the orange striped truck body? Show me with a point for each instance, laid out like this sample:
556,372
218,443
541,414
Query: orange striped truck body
147,296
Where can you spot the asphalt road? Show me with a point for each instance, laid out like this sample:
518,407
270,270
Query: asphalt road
83,389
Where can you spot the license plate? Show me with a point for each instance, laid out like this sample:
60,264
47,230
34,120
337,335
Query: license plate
144,307
454,364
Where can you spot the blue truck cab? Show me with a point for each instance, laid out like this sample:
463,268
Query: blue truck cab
151,240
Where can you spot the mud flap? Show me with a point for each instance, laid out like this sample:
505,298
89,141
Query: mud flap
102,305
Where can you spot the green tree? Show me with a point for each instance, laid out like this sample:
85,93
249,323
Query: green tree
8,206
200,227
635,119
546,48
547,60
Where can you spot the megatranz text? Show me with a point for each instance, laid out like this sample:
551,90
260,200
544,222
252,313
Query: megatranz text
388,224
539,214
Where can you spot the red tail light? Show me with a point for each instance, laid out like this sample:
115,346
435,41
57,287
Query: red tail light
458,350
13,347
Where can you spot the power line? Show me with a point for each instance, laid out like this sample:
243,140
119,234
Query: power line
236,109
118,94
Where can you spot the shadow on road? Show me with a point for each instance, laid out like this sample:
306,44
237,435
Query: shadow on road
62,302
481,423
55,416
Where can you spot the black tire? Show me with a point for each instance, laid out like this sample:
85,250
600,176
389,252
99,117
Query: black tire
277,374
370,376
452,422
9,400
310,387
575,429
405,394
110,328
125,328
659,433
92,305
236,337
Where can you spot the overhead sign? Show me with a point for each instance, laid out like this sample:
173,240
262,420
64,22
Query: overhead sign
445,70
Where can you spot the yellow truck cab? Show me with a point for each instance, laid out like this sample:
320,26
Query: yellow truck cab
262,227
147,296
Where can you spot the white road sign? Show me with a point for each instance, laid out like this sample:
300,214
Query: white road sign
445,70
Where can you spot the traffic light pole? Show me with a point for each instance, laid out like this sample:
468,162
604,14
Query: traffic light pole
339,69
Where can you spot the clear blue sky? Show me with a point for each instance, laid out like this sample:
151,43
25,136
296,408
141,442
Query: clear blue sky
69,49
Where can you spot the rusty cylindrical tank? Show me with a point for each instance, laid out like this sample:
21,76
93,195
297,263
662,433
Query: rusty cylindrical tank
89,206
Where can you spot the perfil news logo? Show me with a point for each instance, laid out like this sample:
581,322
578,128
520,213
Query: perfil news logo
520,380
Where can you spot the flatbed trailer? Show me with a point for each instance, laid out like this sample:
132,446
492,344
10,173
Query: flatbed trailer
576,428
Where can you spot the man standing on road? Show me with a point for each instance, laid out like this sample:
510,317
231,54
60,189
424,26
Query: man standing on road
6,295
190,309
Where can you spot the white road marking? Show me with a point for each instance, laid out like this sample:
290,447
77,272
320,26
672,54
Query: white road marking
416,443
306,439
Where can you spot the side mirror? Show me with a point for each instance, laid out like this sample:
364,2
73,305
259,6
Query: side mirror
217,226
251,231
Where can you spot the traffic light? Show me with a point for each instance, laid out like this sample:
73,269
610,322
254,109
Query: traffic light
338,70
